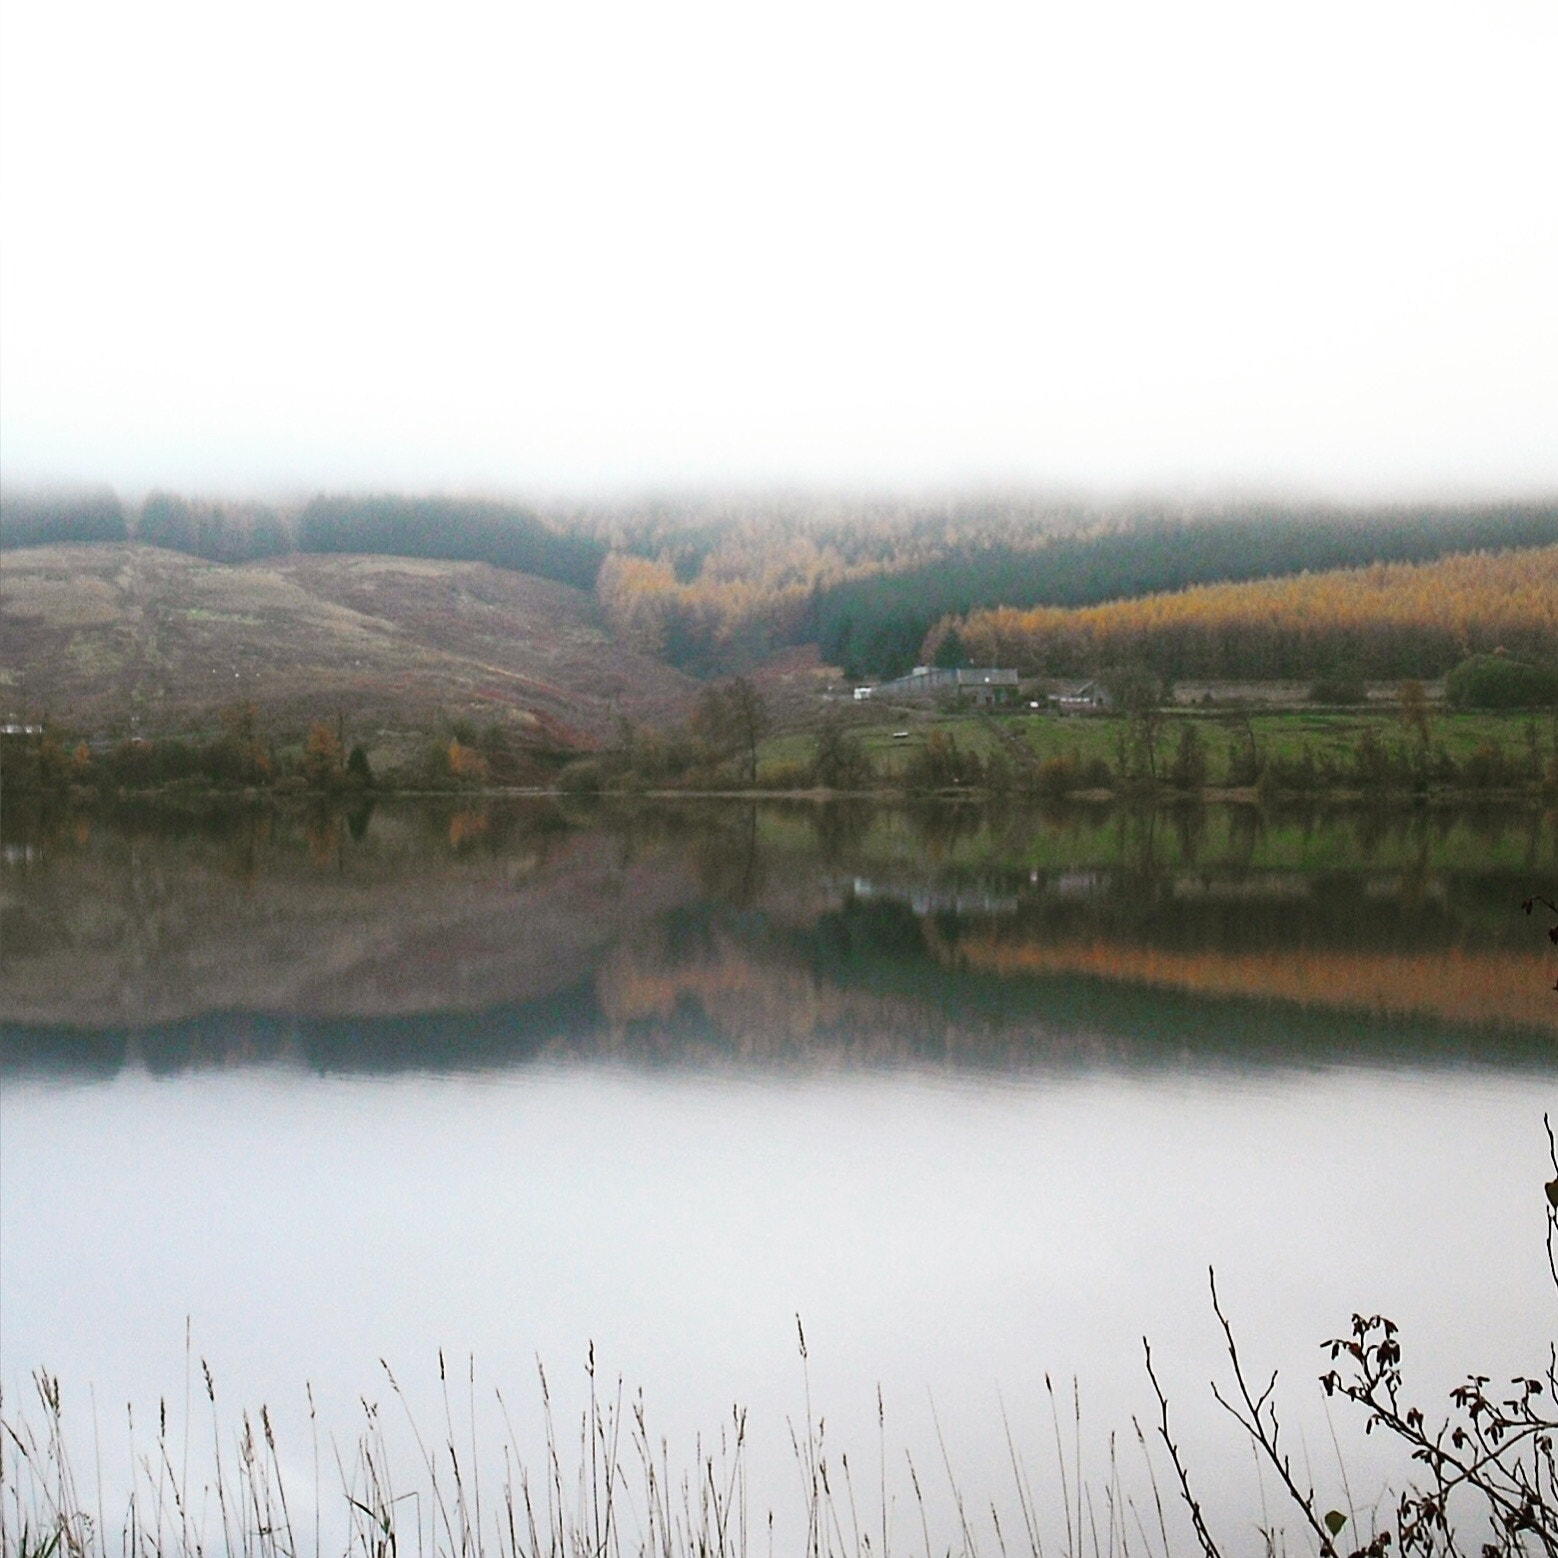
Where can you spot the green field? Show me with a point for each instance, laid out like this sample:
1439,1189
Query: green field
1330,736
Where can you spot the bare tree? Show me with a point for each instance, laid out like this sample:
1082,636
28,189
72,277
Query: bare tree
732,718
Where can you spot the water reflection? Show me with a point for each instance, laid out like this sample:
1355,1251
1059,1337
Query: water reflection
465,934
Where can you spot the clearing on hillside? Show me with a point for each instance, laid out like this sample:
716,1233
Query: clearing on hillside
116,637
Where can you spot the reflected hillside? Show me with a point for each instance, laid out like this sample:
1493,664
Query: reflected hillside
875,980
315,915
1457,986
448,938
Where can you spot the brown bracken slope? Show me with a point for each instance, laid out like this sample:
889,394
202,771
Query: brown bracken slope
109,639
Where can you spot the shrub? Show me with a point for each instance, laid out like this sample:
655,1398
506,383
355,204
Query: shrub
785,776
941,765
466,763
660,757
1057,776
1284,772
1338,689
582,777
1374,765
226,762
1097,774
1489,768
1497,682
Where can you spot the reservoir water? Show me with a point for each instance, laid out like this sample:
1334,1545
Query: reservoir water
332,1101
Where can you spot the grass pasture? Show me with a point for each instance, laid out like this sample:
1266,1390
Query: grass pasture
1281,735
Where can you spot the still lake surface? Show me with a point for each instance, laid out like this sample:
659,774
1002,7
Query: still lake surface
979,1095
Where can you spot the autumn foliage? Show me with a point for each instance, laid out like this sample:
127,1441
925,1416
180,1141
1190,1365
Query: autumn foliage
466,763
322,756
1389,620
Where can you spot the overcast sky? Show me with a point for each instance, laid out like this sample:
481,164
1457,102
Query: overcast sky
584,246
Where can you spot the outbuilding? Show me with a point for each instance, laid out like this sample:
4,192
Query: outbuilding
1085,698
982,685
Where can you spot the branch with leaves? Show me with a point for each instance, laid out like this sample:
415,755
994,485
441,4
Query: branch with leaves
1495,1448
1535,902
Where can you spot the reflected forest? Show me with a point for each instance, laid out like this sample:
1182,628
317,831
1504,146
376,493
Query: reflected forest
449,935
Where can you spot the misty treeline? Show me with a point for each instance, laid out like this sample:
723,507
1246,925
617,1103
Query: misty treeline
507,535
59,516
714,586
467,530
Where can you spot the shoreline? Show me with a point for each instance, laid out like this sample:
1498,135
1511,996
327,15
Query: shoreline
1135,796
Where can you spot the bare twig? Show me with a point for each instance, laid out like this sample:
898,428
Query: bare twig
1203,1536
1257,1415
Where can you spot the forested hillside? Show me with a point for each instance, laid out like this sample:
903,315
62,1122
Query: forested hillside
715,586
869,587
877,625
1387,620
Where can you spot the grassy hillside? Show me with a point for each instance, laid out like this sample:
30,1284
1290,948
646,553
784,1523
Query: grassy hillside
115,638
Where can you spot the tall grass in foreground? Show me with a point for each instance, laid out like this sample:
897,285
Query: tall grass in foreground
605,1489
610,1489
1489,1466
